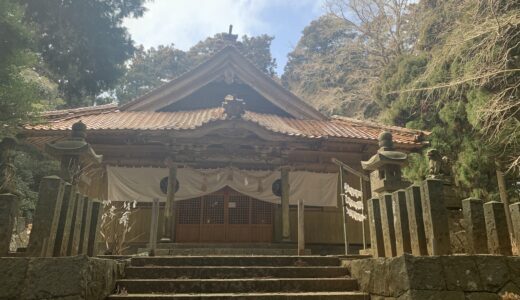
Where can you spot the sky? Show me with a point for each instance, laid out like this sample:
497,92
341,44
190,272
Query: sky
185,22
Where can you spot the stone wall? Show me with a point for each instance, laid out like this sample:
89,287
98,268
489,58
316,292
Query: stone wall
60,278
454,277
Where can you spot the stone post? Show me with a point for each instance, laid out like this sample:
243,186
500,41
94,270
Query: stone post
387,223
435,217
286,224
498,238
87,222
473,211
415,220
7,170
46,218
301,227
8,209
401,223
75,226
169,209
95,227
376,230
64,224
515,220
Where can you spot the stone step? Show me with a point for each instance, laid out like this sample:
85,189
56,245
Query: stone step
185,272
236,261
268,285
260,296
223,251
226,245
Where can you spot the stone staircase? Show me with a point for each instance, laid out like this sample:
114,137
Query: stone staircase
237,277
188,249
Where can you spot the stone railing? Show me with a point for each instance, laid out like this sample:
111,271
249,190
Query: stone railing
415,220
65,223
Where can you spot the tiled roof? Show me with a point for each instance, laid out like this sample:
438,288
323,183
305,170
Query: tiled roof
110,120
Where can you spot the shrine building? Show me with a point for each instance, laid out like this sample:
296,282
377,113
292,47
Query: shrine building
228,152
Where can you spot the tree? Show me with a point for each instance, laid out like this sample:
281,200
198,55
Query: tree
82,44
17,95
149,69
463,85
256,48
328,70
367,36
155,66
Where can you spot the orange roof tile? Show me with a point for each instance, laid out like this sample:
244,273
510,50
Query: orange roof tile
186,120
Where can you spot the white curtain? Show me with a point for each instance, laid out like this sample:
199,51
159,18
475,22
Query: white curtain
143,184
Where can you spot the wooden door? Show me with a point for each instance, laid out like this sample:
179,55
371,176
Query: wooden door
225,216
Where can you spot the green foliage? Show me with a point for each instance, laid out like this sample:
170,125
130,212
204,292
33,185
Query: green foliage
457,78
156,66
31,166
149,69
83,44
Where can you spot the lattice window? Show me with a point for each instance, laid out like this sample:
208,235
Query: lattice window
262,212
189,211
213,211
238,209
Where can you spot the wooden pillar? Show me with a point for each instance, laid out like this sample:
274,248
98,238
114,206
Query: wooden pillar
301,227
154,226
168,232
286,225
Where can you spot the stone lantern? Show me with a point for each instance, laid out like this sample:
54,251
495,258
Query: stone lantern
385,166
74,152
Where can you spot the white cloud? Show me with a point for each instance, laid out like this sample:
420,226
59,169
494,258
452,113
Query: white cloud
185,22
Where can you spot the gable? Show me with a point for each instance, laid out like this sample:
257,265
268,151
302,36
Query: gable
212,95
232,68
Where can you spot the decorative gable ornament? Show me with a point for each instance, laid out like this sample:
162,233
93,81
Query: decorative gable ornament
233,107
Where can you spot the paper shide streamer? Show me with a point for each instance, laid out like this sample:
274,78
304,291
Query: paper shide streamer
353,207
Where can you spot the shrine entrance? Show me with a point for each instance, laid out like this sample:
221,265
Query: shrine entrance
225,216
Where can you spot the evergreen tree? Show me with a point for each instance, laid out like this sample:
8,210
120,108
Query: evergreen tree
83,44
466,66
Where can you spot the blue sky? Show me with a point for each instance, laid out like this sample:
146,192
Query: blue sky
185,22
